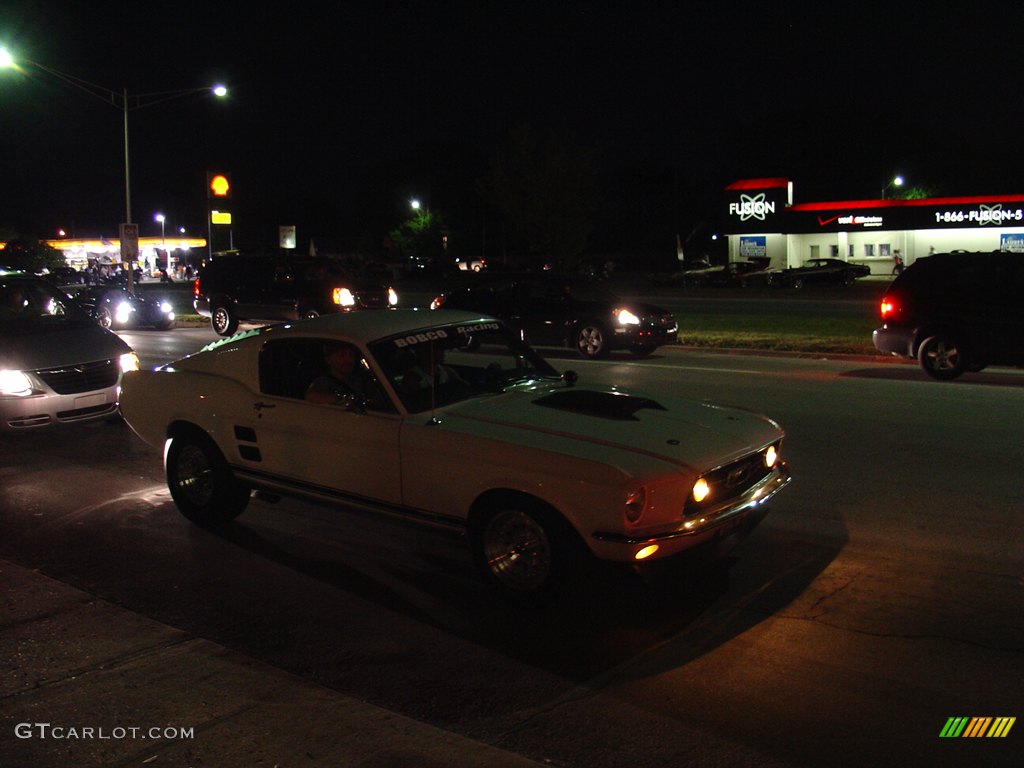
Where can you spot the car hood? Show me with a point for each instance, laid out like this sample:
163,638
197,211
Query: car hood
51,343
691,434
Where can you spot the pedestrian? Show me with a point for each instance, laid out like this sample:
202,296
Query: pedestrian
897,267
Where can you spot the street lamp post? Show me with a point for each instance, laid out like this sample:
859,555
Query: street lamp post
163,239
896,182
125,104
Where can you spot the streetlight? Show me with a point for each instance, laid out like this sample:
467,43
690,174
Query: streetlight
163,238
414,204
124,104
896,182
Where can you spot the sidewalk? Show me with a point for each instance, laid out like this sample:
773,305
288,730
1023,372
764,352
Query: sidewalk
87,683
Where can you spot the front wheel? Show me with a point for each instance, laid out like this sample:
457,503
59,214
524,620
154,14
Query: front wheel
104,317
942,357
201,483
223,320
523,549
591,341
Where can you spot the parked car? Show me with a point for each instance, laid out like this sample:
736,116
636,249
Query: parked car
237,287
65,276
465,428
956,312
114,307
562,312
819,271
735,274
56,364
472,265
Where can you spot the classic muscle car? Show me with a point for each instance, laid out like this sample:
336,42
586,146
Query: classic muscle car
456,423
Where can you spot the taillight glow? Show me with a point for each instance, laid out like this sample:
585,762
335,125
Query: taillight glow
888,308
195,288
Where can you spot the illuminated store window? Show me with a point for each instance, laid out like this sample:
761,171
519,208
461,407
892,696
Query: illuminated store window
885,249
835,251
869,249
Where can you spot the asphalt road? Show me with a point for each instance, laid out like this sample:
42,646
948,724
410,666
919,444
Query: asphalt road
881,595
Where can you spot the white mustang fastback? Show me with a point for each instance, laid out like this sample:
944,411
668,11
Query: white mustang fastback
449,419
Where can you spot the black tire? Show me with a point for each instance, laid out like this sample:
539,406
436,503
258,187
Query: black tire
797,283
104,316
942,357
524,549
592,340
165,325
308,314
201,483
223,320
848,279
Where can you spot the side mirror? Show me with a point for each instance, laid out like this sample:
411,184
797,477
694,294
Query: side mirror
570,378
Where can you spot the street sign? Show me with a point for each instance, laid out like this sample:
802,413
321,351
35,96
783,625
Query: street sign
129,234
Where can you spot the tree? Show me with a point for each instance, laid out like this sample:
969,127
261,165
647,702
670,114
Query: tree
31,255
545,186
421,236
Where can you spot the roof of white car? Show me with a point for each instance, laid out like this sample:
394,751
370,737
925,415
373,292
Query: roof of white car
370,325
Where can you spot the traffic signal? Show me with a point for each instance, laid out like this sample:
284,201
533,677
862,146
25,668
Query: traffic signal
218,185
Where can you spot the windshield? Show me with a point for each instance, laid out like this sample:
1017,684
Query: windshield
447,364
32,302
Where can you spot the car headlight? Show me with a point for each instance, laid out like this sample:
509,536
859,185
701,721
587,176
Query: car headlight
15,384
129,362
165,307
701,490
123,312
771,455
392,298
343,297
625,317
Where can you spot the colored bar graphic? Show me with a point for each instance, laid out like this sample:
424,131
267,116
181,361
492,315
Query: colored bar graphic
977,727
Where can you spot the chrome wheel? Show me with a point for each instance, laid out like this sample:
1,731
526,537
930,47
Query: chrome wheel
223,321
193,475
104,317
517,551
202,485
942,357
590,341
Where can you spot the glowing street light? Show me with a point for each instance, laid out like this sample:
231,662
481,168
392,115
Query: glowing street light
896,182
414,204
122,102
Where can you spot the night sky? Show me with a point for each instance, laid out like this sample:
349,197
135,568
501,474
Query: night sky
339,113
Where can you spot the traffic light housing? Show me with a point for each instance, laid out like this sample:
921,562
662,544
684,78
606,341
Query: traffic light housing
218,185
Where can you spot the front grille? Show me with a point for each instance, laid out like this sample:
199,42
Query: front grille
730,482
86,377
372,300
667,322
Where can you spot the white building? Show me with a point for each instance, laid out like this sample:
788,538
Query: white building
762,220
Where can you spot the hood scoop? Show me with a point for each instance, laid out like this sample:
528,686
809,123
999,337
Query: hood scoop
603,405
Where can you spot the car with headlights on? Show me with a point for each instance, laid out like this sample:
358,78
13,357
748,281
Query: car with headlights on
238,287
57,366
562,312
115,307
449,419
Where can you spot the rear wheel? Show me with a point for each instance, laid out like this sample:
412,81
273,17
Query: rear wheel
223,320
201,483
942,357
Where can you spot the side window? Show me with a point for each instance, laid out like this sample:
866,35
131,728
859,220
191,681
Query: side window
320,371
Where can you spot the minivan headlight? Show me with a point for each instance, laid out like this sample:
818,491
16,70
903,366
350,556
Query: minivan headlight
343,297
129,362
15,384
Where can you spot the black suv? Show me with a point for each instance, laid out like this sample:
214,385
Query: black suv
272,288
956,312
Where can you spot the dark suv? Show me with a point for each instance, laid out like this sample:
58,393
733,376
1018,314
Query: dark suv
271,288
956,312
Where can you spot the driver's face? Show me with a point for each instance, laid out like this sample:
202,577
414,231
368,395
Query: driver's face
342,361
